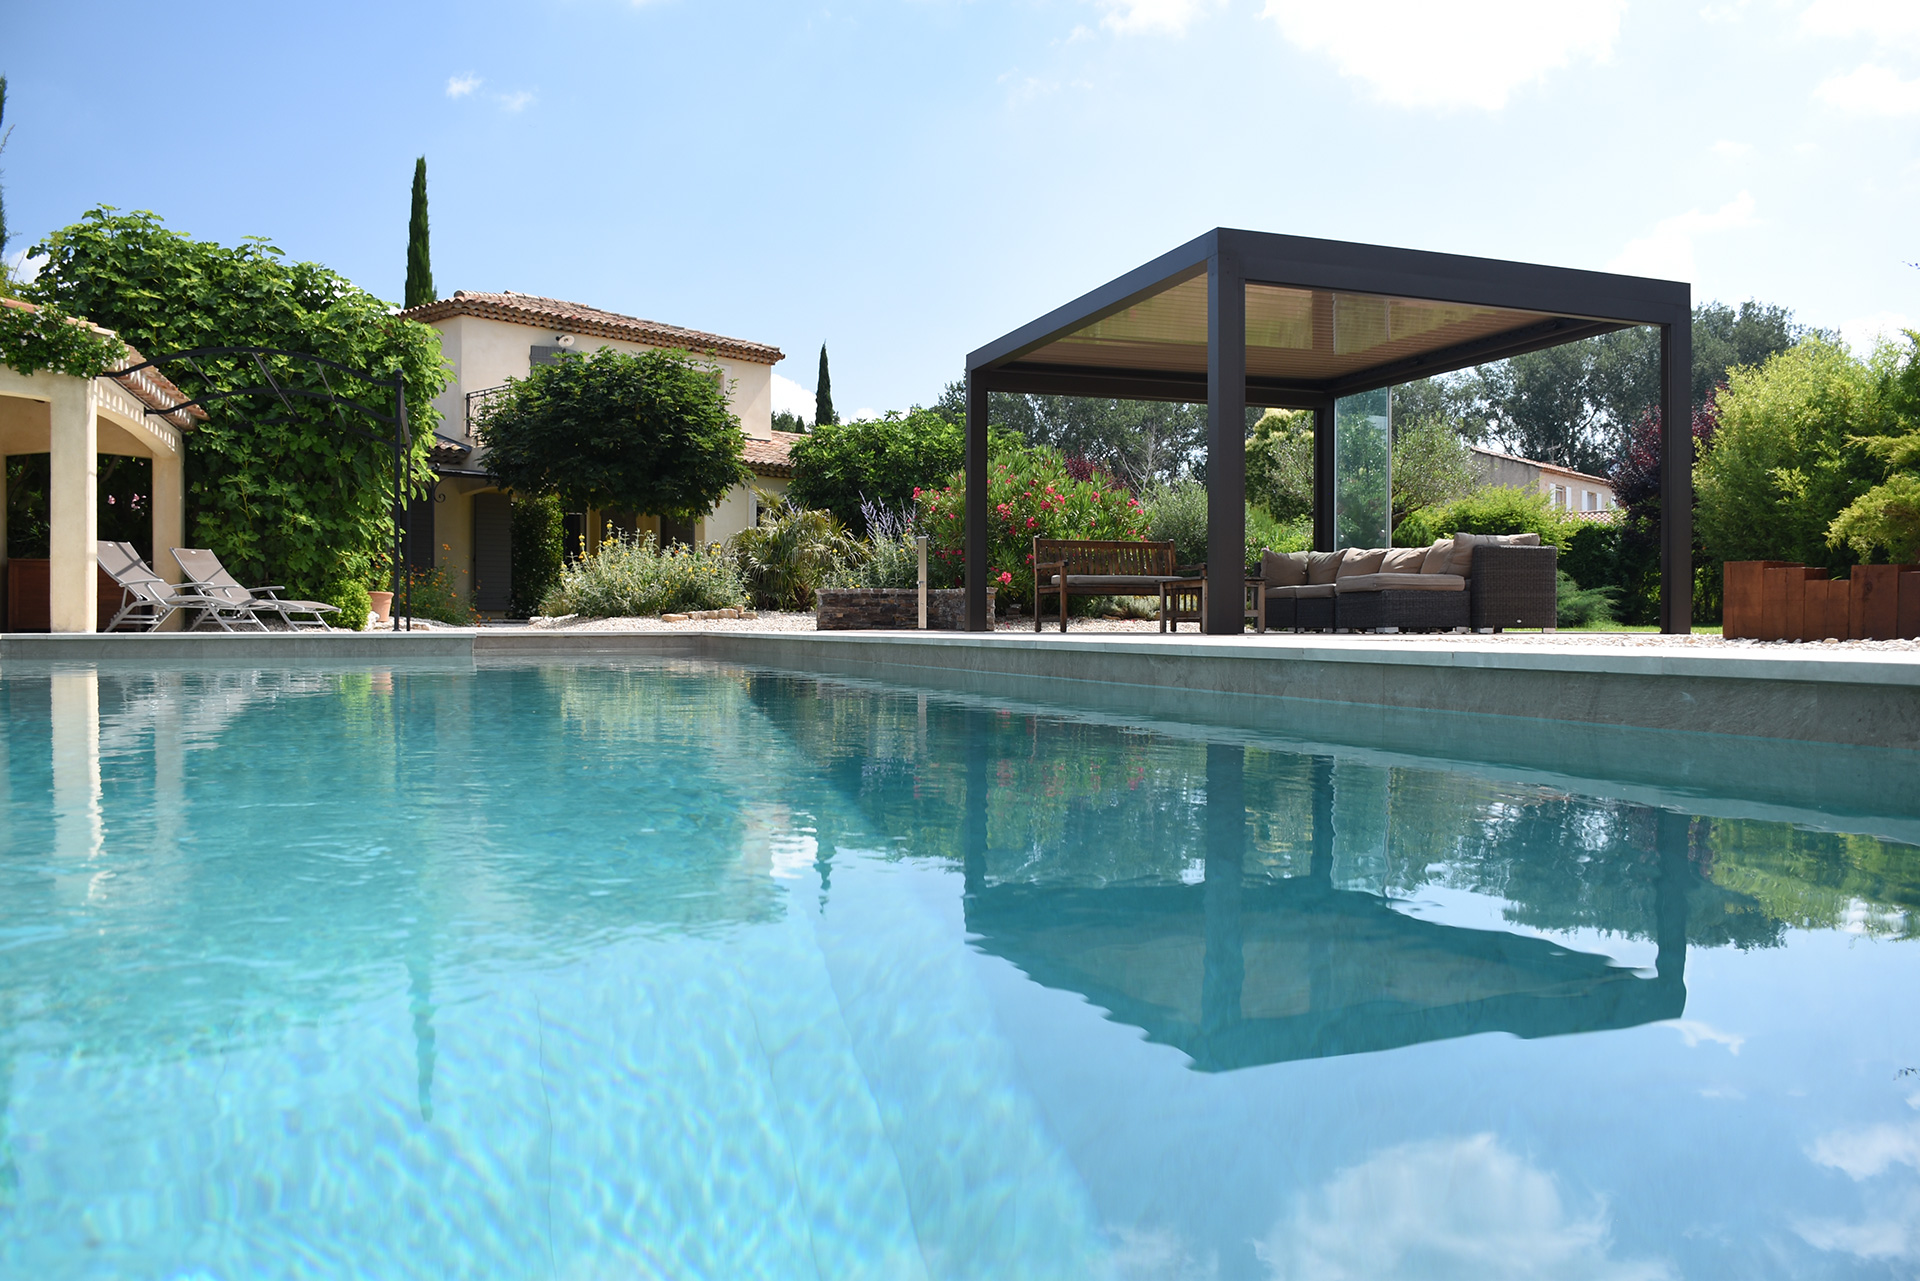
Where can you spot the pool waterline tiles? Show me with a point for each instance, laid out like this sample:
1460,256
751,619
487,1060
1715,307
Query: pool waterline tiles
705,970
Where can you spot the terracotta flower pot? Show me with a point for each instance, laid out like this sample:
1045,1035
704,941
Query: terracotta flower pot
382,606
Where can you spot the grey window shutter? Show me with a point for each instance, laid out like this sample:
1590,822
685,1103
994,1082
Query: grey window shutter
492,553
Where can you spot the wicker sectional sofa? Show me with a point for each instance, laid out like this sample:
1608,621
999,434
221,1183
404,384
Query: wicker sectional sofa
1479,581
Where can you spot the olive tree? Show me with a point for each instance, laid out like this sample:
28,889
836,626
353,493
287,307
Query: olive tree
647,432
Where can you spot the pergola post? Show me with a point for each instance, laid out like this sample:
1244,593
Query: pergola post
1226,445
1323,488
72,487
1676,474
976,464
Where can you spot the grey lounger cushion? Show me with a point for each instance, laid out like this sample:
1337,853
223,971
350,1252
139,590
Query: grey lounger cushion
1117,584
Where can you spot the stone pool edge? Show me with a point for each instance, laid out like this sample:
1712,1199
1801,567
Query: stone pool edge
1844,698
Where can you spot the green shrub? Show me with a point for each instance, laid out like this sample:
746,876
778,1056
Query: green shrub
539,550
1591,554
1495,510
787,555
1578,607
1786,458
840,466
350,596
633,577
1177,513
1030,494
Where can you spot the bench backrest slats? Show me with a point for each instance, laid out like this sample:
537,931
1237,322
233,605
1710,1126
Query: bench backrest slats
1105,556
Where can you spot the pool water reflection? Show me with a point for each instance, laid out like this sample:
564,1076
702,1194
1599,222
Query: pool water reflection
680,970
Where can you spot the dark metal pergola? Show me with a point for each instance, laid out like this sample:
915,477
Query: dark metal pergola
1239,318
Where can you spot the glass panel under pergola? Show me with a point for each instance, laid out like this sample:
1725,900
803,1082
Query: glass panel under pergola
1236,319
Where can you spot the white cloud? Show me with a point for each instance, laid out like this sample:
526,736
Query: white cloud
1861,1154
518,100
1137,16
1449,1208
1864,333
1470,53
1727,149
1891,1229
1882,21
461,86
1696,1033
23,269
791,398
1667,251
1871,91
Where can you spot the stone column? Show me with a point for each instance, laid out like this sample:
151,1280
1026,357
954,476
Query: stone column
169,519
3,547
72,484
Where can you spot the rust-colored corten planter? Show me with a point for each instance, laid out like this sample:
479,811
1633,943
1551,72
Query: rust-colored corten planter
1776,600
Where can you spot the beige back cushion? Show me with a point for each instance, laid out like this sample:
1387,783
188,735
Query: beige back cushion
1463,545
1361,560
1324,567
1283,569
1404,560
1439,557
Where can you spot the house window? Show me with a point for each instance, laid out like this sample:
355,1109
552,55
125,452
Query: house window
1560,497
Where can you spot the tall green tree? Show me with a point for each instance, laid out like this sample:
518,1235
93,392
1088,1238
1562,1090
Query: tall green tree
282,488
644,432
5,132
1577,404
419,260
823,415
1145,444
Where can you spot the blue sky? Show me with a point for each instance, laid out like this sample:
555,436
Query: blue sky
908,179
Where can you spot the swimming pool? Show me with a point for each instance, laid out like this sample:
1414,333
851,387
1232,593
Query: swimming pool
677,969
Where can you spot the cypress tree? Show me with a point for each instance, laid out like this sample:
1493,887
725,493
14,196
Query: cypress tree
823,394
3,197
419,265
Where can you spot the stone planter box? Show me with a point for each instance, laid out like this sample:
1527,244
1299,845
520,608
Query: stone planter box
846,609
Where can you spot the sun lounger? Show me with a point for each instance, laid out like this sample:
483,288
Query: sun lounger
147,600
210,578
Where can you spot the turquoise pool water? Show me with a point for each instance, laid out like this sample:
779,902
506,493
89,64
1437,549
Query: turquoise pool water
687,971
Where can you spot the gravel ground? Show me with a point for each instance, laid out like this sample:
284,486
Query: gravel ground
770,621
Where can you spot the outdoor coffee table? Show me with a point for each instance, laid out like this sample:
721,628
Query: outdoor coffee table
1187,598
1181,597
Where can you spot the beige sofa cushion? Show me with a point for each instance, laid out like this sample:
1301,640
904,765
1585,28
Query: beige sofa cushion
1463,545
1403,560
1439,558
1283,569
1324,567
1304,591
1361,560
1402,583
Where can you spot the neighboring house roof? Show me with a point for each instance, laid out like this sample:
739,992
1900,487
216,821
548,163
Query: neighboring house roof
150,387
577,318
771,457
1555,468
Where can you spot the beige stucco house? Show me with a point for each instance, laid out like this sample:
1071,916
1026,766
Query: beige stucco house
1566,489
489,338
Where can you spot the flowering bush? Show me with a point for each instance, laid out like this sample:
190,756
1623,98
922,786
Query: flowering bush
1030,494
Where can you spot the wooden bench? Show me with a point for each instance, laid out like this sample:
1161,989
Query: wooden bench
1064,567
